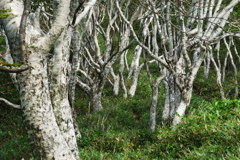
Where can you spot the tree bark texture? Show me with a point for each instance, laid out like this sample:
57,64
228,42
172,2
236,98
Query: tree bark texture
43,87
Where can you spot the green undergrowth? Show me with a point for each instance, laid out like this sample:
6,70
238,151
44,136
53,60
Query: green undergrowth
13,139
209,131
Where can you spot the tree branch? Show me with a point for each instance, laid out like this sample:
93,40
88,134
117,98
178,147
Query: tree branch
86,7
10,104
14,69
22,30
76,12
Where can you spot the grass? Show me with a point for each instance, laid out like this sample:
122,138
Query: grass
13,139
210,129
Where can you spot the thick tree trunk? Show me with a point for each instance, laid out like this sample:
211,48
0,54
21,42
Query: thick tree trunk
44,100
176,101
45,136
181,108
172,98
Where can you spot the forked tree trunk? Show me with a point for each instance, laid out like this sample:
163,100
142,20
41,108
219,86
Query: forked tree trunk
44,87
172,98
176,101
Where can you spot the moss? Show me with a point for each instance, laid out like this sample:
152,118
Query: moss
9,64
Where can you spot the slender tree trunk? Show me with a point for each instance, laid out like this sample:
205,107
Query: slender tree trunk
152,119
166,107
207,63
116,81
76,46
135,70
218,77
229,52
59,91
121,69
133,87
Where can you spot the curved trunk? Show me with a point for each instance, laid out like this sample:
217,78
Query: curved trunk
59,92
45,136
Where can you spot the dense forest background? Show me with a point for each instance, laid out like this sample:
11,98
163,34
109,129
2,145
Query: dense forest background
209,130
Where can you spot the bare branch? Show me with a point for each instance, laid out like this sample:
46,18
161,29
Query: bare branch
84,86
86,7
137,39
13,69
10,104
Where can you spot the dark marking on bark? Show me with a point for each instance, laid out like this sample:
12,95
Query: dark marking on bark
76,12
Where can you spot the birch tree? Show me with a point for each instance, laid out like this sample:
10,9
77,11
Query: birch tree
187,30
41,64
104,45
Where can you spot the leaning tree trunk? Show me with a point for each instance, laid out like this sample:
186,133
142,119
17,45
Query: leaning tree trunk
43,92
45,135
59,92
154,86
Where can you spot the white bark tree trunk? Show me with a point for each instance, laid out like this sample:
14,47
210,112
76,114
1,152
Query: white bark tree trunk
229,52
46,137
43,87
95,100
217,67
135,70
199,24
76,46
172,98
59,92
